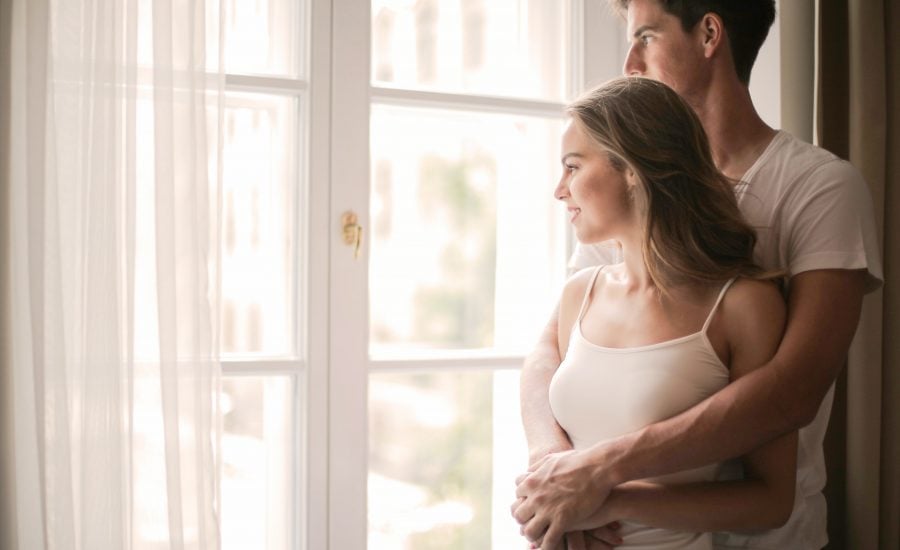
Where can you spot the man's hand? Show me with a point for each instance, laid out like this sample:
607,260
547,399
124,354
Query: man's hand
537,455
562,490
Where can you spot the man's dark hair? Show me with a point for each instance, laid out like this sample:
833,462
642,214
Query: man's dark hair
747,23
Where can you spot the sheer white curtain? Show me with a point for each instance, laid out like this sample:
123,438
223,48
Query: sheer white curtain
113,259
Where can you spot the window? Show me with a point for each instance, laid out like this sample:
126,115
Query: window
467,252
264,213
371,399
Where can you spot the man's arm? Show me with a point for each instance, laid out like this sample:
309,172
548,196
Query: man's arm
752,320
543,434
782,396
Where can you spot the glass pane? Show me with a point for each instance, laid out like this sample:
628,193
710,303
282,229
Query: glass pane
262,36
444,452
258,247
468,244
496,47
257,457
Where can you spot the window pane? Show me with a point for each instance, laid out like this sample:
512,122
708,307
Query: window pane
261,36
468,244
256,452
258,246
495,47
444,452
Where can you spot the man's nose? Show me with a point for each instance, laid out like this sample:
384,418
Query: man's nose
634,66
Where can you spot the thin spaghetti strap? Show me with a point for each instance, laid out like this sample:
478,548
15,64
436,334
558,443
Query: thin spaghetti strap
587,292
716,305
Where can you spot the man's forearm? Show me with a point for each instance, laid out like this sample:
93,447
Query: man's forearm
780,397
729,424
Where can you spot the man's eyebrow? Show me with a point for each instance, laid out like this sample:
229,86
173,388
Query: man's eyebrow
642,29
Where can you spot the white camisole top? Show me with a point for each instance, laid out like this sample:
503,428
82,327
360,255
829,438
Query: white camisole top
600,393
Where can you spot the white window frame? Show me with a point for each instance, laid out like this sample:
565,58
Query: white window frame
349,365
306,365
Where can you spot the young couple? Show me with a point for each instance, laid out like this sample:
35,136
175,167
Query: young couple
675,401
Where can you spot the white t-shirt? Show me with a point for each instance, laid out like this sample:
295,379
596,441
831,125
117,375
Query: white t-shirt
811,210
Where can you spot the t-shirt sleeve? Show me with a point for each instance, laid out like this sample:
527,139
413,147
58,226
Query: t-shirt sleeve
592,255
832,224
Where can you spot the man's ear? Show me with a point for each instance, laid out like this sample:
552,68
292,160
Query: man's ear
711,30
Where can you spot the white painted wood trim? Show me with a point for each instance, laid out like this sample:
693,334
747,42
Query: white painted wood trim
348,322
312,489
266,84
464,102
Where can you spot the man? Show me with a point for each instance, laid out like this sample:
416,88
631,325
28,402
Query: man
814,217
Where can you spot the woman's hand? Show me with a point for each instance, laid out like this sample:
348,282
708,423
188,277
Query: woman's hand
603,538
576,541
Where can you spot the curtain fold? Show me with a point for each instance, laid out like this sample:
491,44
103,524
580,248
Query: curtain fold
796,19
113,263
857,119
7,464
889,496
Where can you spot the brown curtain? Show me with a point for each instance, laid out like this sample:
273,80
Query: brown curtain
7,475
858,118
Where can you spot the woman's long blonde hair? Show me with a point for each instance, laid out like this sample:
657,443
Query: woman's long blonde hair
693,229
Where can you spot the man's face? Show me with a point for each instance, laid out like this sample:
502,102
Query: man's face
660,49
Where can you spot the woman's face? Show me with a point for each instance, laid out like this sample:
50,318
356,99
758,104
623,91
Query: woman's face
595,193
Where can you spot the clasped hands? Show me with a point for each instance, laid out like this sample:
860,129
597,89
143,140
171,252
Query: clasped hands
561,499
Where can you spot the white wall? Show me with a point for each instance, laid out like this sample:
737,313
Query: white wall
765,80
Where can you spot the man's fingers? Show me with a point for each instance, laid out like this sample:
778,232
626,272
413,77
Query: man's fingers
521,478
534,531
552,538
523,511
515,505
539,463
523,489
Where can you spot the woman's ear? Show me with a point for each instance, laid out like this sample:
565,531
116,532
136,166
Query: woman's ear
631,178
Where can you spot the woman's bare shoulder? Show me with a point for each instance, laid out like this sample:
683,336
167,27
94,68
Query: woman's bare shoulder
573,295
753,319
753,299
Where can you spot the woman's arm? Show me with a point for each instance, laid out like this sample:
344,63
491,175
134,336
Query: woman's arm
543,434
750,322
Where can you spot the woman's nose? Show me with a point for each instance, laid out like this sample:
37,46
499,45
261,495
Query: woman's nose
561,192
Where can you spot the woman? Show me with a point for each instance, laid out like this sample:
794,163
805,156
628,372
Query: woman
684,313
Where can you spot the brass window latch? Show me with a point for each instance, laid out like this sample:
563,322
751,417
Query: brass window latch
352,231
